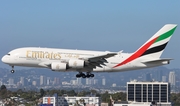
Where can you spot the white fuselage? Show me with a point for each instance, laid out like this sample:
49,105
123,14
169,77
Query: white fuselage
43,57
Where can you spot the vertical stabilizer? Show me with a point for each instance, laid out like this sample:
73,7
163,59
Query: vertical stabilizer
155,46
157,43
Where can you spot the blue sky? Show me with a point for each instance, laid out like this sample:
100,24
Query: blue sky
85,24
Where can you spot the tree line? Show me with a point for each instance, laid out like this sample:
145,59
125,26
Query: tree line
105,97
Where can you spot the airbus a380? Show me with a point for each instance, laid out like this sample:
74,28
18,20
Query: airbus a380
85,62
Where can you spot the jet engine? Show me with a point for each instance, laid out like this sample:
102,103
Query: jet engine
76,64
57,66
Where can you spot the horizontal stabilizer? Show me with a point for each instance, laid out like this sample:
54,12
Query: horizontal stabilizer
157,60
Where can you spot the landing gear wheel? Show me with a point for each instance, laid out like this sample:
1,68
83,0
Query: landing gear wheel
12,71
88,75
83,76
78,75
92,75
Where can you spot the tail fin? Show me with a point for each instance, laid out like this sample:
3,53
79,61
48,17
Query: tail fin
155,45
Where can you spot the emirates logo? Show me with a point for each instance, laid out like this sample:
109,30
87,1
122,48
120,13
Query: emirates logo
75,63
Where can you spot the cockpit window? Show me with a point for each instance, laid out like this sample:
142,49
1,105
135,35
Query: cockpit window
8,54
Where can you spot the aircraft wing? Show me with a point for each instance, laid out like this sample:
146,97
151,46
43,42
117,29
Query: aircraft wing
45,64
92,62
94,58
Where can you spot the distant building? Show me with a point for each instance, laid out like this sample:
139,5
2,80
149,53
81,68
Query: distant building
49,101
56,81
48,81
148,93
22,81
11,81
103,81
164,79
79,81
44,80
34,83
88,82
114,85
172,80
1,82
41,80
71,101
92,81
95,81
73,82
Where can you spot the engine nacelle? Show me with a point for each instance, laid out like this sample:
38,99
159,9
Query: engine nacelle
76,64
57,66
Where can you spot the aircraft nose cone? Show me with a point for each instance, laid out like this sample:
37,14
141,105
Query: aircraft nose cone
5,59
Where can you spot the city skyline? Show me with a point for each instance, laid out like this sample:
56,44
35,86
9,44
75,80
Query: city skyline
32,79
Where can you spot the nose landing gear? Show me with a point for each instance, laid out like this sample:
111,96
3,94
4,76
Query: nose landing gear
12,71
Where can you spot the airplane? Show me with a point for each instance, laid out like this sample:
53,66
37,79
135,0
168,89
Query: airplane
85,62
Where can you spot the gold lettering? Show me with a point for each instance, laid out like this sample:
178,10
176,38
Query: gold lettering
58,56
51,55
35,54
27,54
48,55
43,54
54,56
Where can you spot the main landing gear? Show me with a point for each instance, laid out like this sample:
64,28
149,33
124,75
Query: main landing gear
88,75
12,71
